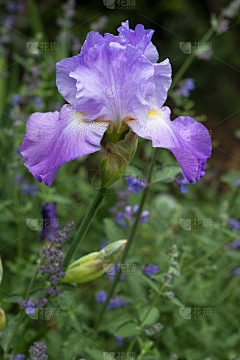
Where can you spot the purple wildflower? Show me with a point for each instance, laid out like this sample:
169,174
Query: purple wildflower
223,25
204,55
50,222
54,259
38,102
100,24
37,351
235,244
104,243
29,189
135,185
185,86
235,225
181,182
119,340
150,269
237,182
17,357
31,306
15,100
236,271
101,296
112,70
116,302
232,9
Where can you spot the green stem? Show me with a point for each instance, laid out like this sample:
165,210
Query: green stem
130,240
85,224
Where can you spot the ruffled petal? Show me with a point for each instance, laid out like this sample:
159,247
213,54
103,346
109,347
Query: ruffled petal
139,38
111,82
188,140
162,79
54,138
93,38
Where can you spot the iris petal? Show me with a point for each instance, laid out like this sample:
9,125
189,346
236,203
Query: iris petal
188,140
54,138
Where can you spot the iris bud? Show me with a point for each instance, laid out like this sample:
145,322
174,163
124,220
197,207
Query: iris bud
2,319
115,162
93,265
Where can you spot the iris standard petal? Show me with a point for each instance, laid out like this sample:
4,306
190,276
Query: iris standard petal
188,140
112,83
115,77
139,38
54,138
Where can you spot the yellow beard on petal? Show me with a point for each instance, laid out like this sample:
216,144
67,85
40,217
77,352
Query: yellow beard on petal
154,113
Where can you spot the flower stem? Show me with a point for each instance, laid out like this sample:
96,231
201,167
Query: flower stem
130,240
85,224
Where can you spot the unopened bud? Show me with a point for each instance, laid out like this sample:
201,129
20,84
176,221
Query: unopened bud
2,319
93,265
115,162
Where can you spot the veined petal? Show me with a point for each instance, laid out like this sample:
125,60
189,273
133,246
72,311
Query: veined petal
188,140
162,79
111,82
139,38
54,138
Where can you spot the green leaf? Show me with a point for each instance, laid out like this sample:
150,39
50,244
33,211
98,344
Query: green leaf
151,318
128,329
165,173
96,354
177,302
112,230
149,282
12,298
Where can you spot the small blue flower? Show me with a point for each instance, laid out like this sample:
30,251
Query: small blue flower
185,86
150,269
119,340
235,225
181,182
15,100
101,296
135,185
237,182
17,357
236,271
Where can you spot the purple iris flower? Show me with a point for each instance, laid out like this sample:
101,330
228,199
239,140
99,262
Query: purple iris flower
114,82
50,222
